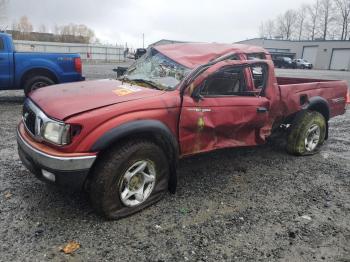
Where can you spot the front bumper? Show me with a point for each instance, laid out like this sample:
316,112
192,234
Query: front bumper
64,169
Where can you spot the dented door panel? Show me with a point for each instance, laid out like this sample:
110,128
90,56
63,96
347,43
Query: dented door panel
221,122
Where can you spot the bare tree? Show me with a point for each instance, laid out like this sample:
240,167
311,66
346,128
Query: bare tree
301,17
42,29
71,32
24,25
262,32
343,10
83,30
14,26
326,7
267,29
270,28
313,12
285,24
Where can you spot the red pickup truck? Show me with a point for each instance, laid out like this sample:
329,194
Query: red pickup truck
121,139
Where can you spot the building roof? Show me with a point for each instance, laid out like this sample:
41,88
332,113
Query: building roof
285,40
192,55
167,42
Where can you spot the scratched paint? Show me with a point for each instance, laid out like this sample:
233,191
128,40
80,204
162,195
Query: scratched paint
200,123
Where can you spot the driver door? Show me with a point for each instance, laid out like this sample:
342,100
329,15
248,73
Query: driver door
225,109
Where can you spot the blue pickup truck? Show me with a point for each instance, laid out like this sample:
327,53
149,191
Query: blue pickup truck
31,70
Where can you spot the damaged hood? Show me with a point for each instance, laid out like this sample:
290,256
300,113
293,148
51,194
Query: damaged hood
63,101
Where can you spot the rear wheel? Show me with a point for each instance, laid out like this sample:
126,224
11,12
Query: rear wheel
307,134
128,179
36,82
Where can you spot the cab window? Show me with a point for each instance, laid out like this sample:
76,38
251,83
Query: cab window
259,75
2,47
231,81
225,82
256,56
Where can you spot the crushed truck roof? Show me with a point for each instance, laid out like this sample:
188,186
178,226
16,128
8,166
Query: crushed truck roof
192,55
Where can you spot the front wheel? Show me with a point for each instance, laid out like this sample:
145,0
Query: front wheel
308,132
128,179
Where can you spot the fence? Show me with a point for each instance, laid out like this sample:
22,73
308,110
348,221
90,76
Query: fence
88,52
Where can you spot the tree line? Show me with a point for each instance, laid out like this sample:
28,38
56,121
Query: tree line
321,20
73,33
23,29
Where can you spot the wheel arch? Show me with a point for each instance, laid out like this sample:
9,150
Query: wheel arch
320,105
152,130
38,71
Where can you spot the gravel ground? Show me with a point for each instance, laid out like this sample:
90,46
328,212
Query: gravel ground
250,204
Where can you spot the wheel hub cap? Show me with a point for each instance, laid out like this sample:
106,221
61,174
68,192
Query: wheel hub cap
312,138
137,183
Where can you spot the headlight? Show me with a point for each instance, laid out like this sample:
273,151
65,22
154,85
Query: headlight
57,133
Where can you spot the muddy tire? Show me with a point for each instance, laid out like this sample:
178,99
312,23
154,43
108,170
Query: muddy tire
36,82
128,179
307,134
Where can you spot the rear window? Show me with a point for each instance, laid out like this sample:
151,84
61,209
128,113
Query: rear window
256,56
1,44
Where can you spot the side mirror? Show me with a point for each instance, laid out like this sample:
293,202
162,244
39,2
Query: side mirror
120,71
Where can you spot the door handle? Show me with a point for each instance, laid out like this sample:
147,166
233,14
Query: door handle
262,110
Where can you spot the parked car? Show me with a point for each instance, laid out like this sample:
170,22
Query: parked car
283,62
140,52
176,101
31,71
302,64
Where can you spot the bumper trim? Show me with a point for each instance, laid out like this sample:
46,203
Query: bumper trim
55,162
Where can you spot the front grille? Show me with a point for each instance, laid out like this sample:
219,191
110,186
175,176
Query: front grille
29,118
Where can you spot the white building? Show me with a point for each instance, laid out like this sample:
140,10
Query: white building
328,54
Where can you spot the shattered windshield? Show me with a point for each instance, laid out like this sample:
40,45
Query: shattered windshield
157,70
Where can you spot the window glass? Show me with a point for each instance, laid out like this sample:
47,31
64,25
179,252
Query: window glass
231,81
1,44
256,56
228,57
259,74
156,68
226,82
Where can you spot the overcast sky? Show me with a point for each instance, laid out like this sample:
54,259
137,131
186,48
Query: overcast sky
120,21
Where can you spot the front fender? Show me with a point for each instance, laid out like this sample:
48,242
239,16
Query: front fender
133,128
144,126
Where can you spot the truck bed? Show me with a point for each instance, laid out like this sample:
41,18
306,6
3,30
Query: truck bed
296,92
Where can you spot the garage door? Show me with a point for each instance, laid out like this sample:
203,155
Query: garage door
310,53
340,59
